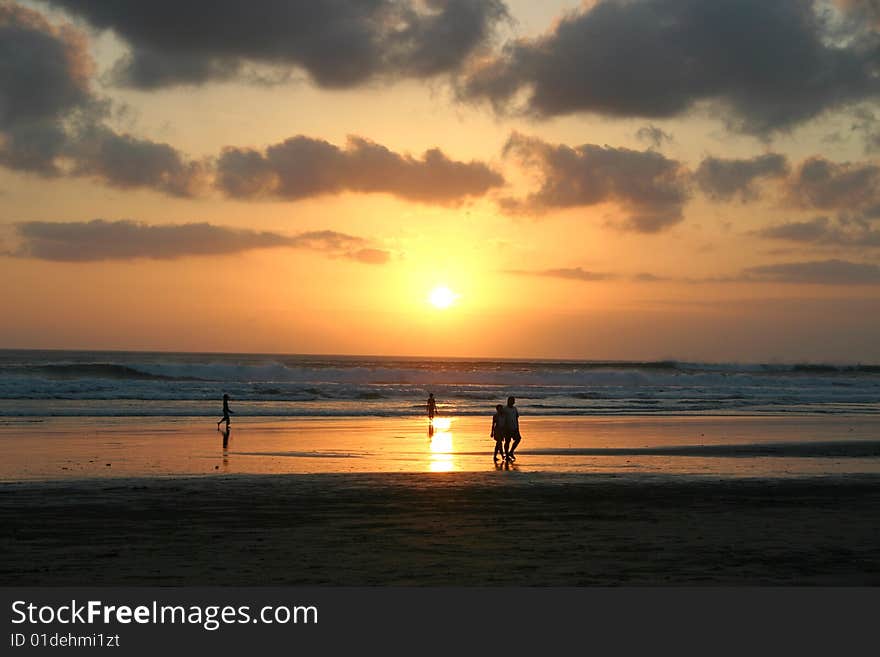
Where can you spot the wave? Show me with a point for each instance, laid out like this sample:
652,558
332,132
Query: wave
180,384
317,370
93,371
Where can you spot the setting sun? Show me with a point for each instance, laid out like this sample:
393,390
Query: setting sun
442,297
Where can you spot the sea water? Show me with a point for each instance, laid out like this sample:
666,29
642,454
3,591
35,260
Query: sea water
133,384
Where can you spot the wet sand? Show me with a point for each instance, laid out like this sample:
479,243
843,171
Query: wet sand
41,449
492,528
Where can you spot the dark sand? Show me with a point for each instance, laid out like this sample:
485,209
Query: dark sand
495,528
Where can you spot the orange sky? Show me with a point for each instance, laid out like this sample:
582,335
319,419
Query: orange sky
629,250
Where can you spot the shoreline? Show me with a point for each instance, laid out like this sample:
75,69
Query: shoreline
63,449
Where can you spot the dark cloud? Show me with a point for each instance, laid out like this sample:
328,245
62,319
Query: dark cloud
814,230
823,232
575,274
124,240
301,167
867,126
339,43
821,272
127,162
51,123
44,76
820,183
44,70
653,136
650,188
726,179
762,65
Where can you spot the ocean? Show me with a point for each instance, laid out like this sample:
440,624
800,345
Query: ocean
135,384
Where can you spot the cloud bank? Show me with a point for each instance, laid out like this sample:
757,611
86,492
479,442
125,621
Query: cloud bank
820,183
651,188
99,240
822,231
301,167
819,272
574,274
44,76
726,179
338,43
763,66
52,124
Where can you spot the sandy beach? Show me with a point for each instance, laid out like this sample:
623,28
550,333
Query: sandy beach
442,529
375,501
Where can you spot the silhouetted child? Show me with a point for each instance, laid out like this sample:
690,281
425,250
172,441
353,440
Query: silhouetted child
498,431
431,406
226,413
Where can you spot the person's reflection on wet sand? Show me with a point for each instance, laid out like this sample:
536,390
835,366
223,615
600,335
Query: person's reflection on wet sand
225,433
506,466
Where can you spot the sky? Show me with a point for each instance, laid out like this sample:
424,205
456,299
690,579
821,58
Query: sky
612,179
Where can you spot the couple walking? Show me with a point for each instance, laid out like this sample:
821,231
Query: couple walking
505,428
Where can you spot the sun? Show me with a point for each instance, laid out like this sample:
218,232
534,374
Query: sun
442,297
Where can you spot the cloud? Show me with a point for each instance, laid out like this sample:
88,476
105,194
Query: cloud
301,167
868,126
580,274
646,277
861,11
52,124
799,231
338,43
128,162
725,179
763,66
822,231
575,274
369,256
820,183
650,188
821,272
653,136
98,240
44,76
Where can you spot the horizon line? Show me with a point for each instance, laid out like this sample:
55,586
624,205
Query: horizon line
520,359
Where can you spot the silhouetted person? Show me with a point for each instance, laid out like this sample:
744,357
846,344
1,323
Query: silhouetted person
511,428
432,406
498,431
226,413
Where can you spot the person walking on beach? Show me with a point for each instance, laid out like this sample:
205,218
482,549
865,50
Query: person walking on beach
432,406
498,432
511,429
226,413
